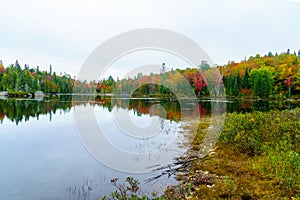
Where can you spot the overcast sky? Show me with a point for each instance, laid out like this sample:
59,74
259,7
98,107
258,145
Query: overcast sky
64,32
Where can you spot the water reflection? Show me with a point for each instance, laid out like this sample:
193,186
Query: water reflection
38,137
18,110
243,106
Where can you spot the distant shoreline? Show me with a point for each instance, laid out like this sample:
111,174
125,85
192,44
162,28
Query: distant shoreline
144,96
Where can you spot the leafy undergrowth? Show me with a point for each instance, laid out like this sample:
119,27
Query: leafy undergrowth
257,157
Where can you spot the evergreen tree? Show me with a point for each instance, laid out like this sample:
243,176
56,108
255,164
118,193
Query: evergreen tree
36,86
9,81
204,65
28,86
235,89
20,83
239,79
245,84
1,85
261,81
229,81
17,66
50,70
270,54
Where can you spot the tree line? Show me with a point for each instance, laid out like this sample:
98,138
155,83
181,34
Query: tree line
258,76
263,76
29,80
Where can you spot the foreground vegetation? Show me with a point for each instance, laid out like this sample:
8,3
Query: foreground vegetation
257,157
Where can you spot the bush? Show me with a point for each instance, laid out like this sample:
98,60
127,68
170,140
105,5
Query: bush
249,132
272,139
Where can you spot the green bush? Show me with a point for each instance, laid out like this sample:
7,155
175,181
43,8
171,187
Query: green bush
249,132
272,139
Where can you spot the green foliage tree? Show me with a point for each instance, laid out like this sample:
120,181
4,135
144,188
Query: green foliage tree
239,78
245,83
236,77
1,84
270,54
204,65
235,89
14,79
261,81
20,83
17,66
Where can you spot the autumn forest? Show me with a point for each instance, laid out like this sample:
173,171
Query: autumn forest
268,76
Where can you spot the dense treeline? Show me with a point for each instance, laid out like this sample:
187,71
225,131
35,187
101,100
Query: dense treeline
259,76
168,83
264,76
29,80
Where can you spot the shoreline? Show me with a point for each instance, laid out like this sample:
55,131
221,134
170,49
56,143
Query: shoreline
32,95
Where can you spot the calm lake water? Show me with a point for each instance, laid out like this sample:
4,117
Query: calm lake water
43,157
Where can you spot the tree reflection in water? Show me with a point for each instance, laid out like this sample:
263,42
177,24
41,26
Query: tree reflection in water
18,110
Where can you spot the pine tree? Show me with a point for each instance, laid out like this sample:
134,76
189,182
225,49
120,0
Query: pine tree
239,79
204,65
17,66
270,54
28,82
235,89
50,70
1,85
20,83
245,84
261,81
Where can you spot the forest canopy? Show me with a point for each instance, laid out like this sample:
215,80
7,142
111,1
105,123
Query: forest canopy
15,79
258,76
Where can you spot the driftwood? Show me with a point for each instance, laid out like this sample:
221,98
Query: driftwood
182,163
179,165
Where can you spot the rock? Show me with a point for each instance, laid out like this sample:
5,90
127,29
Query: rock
4,93
39,94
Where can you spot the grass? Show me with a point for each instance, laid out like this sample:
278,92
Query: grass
257,157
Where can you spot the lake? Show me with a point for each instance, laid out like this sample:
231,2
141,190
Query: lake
43,155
